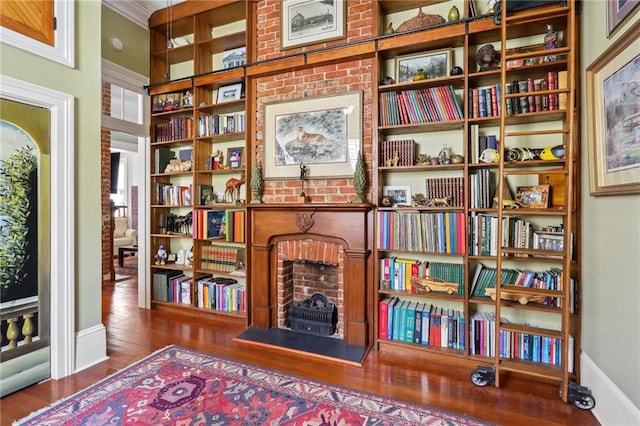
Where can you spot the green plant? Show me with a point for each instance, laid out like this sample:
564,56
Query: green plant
15,188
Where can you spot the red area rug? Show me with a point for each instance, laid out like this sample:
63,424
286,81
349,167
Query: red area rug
180,386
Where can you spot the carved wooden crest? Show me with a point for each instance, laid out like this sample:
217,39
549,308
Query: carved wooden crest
304,221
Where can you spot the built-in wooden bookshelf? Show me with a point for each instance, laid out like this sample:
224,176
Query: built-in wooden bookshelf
198,52
482,278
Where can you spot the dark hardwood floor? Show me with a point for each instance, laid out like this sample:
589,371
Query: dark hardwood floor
133,333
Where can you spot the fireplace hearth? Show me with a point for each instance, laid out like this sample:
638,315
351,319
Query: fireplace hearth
334,236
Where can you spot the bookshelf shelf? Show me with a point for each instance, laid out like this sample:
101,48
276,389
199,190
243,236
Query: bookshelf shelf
488,253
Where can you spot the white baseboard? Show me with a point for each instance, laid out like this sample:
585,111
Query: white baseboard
91,347
612,405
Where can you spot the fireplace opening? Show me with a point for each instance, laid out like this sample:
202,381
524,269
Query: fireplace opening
310,285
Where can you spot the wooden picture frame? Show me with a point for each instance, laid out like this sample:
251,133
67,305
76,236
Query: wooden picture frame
399,194
235,157
614,160
617,12
232,92
434,64
533,197
324,133
304,22
166,102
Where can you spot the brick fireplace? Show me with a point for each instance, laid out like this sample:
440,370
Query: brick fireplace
296,250
307,267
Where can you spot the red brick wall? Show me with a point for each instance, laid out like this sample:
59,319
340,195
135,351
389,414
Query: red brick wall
319,81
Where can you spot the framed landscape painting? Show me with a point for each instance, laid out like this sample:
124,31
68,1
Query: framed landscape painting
613,90
311,21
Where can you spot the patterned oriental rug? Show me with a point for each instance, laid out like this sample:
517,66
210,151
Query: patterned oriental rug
180,386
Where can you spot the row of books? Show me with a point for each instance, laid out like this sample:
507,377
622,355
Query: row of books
221,258
446,187
540,102
172,286
534,348
420,323
219,124
435,232
175,129
220,224
403,150
222,294
481,191
485,101
483,238
172,195
418,106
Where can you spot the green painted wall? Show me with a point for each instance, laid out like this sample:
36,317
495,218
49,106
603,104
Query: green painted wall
84,83
611,247
135,39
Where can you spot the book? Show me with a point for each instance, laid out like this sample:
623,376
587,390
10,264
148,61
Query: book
383,317
215,224
161,284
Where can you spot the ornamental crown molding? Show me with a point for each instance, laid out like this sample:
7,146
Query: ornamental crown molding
138,11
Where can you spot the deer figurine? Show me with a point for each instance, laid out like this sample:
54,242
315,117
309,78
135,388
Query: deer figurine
232,188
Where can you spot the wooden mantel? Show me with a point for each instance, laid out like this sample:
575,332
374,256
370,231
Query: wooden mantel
350,225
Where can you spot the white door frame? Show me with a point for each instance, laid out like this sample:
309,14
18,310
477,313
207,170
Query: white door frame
61,107
123,77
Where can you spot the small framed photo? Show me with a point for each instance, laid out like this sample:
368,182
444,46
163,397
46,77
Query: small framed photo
400,195
187,99
172,257
229,93
424,65
549,241
533,197
234,158
167,102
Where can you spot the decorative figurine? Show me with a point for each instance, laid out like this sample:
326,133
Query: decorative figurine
487,58
181,257
491,4
389,29
550,43
359,179
303,177
188,259
257,184
420,75
232,188
161,255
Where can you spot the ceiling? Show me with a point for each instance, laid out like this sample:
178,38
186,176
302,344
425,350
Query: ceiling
138,11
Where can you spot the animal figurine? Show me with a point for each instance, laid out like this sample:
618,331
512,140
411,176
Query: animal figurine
439,202
232,188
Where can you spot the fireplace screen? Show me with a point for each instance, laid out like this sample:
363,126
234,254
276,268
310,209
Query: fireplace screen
315,315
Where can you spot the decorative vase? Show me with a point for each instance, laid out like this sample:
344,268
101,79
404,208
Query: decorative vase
257,184
360,179
454,14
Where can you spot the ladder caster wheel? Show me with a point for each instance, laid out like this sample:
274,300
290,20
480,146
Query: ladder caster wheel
483,376
581,396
